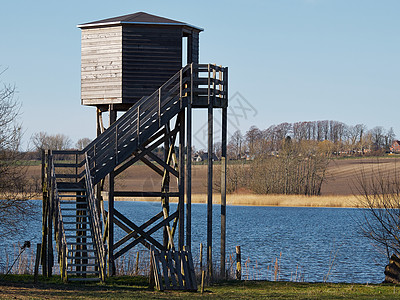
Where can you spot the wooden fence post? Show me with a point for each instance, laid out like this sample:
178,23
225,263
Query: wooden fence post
238,263
37,262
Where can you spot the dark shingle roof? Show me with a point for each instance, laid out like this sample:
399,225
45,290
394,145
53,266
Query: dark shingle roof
137,18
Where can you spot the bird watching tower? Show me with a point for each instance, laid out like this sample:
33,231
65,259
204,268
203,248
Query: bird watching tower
148,68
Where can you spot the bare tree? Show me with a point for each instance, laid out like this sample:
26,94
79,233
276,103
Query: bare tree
378,138
236,144
381,201
14,188
82,143
252,136
42,141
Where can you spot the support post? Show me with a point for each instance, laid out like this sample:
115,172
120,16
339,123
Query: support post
223,191
110,219
50,259
209,180
181,240
45,189
224,161
100,129
189,166
238,263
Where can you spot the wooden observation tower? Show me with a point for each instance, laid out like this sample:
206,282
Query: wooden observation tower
147,68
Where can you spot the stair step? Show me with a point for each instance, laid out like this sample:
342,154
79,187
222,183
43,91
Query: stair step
76,216
82,272
84,279
75,229
79,236
74,208
72,195
76,223
74,202
83,250
83,257
83,265
81,244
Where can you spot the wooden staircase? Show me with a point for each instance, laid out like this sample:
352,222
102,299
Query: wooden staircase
70,176
81,257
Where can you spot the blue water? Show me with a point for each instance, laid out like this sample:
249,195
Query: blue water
309,243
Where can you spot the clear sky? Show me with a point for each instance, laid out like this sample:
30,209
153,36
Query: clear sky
292,60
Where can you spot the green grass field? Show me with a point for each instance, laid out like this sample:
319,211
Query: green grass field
22,287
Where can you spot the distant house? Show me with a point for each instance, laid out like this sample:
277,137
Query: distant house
203,156
395,148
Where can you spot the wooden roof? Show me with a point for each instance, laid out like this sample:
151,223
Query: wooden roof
139,18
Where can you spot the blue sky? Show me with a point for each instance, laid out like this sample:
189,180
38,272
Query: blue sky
292,60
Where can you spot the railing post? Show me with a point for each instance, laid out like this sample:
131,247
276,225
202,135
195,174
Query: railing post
50,218
116,144
159,107
180,89
76,166
138,124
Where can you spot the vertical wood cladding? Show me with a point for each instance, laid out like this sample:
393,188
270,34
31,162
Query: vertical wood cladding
193,47
151,55
101,65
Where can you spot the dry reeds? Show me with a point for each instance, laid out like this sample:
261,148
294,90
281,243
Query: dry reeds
269,200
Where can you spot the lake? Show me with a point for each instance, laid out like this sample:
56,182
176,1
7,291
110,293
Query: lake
307,243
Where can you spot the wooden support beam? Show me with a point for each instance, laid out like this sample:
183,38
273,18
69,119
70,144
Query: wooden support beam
149,232
137,229
132,233
151,165
135,159
110,219
128,231
209,180
189,165
162,163
181,183
223,192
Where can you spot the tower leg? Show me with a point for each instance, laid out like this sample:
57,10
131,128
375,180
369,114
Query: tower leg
110,219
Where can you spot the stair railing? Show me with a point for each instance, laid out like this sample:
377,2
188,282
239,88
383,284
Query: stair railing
133,128
59,232
95,221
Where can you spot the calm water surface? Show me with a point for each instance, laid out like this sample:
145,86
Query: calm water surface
308,242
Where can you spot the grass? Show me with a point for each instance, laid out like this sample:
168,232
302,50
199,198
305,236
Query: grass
22,287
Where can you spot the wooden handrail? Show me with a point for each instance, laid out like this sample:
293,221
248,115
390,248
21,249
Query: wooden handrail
95,221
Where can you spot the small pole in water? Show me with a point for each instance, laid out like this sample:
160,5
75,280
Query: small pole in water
238,263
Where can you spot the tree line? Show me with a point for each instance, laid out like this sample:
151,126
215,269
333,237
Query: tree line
334,136
292,158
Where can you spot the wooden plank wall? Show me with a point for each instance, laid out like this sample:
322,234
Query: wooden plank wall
193,47
101,65
151,55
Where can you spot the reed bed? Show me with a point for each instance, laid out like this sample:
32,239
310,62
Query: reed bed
14,263
269,200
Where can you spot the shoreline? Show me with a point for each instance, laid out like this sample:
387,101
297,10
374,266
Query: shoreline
273,200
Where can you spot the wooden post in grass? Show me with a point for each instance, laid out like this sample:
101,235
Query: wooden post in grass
37,262
238,263
201,257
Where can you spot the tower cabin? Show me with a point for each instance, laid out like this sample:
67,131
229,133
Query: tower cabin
125,58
